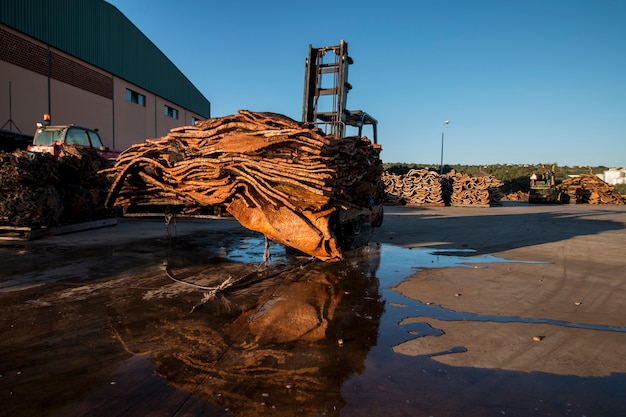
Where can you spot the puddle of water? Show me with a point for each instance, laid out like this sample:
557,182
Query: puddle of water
122,389
399,263
352,370
251,249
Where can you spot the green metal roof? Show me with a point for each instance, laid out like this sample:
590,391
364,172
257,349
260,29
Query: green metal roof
98,33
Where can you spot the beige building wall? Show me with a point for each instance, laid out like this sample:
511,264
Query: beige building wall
133,123
28,98
74,105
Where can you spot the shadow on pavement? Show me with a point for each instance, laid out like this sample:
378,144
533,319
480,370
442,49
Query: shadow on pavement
482,229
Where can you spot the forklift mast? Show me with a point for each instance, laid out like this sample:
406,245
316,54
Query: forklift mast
327,78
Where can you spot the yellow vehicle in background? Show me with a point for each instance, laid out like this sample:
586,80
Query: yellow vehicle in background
543,188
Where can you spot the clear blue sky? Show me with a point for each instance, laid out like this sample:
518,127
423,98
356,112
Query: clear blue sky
521,81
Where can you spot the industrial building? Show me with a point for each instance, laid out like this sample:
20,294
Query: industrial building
84,63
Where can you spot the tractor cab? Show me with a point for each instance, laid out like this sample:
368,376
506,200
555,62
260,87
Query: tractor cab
52,139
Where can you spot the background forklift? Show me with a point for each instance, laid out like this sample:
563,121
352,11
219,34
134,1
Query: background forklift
543,188
326,90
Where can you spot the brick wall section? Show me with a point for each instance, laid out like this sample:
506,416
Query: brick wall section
18,51
73,73
23,53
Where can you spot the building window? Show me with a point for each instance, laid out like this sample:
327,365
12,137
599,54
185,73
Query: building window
135,97
170,112
195,120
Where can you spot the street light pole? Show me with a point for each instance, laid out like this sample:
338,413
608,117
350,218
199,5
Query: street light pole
442,130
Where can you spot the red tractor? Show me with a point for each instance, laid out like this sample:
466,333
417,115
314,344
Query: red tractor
51,139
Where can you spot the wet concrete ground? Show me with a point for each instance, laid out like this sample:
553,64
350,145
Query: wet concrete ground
434,316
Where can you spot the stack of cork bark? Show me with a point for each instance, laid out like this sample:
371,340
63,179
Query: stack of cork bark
475,191
41,190
424,187
273,174
416,187
516,196
589,189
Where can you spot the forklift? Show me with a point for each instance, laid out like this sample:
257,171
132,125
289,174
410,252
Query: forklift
326,90
543,188
327,79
